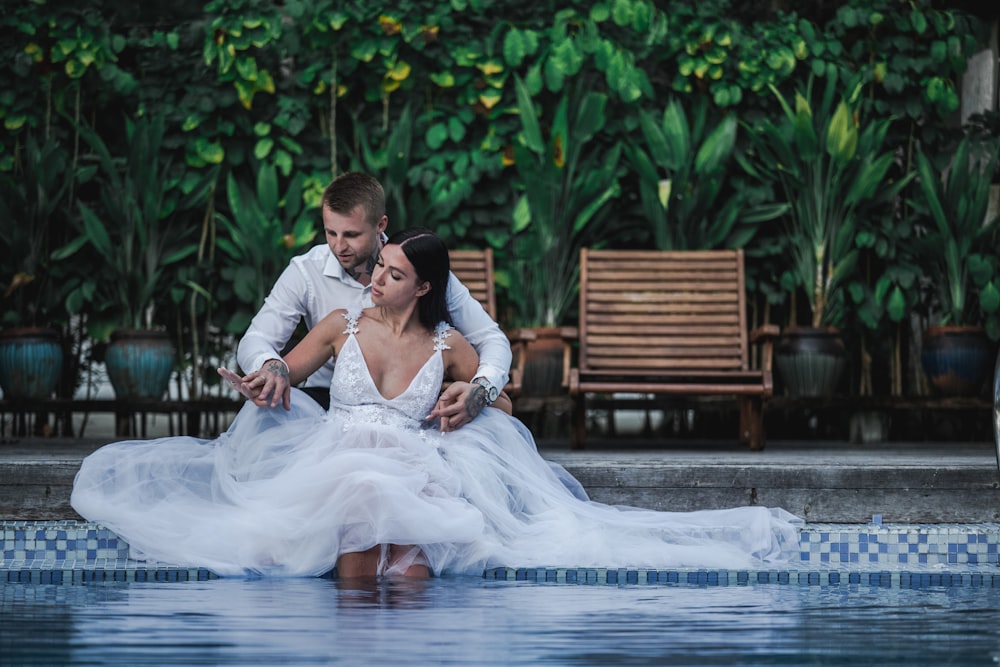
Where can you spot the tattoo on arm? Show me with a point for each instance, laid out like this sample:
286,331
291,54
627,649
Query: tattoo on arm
277,368
476,401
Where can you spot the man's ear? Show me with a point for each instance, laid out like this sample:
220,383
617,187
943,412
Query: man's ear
382,224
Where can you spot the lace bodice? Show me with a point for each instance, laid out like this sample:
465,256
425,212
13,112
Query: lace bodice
354,398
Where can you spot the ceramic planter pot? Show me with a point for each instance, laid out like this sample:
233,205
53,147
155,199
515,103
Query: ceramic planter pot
139,363
810,361
31,360
956,359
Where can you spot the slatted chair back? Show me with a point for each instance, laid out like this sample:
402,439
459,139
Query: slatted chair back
475,269
662,312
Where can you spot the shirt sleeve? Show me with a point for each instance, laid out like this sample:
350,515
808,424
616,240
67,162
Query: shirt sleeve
472,321
273,325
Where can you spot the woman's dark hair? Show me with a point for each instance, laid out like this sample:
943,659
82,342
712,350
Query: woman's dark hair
429,256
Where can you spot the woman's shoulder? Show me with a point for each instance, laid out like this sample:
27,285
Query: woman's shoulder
446,336
341,320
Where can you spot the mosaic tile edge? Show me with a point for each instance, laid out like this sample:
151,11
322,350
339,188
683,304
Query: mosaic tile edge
830,554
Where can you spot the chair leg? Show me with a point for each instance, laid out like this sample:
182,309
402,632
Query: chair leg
579,428
752,422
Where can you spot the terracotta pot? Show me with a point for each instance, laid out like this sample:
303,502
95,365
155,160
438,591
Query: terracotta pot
543,363
31,360
139,363
810,361
956,359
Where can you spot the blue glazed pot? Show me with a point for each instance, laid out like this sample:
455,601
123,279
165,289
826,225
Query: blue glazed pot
30,362
139,363
956,359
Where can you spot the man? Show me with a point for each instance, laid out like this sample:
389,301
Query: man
337,275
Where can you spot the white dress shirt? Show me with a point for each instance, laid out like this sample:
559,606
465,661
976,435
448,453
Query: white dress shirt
314,284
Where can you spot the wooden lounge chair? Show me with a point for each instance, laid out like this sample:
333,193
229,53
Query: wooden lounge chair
668,322
475,269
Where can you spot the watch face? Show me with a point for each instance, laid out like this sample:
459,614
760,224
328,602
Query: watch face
491,391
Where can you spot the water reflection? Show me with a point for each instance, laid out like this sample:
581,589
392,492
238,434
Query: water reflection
469,621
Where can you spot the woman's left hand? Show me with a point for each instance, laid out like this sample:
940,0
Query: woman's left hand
238,383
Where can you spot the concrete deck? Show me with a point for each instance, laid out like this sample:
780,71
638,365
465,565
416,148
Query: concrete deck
821,481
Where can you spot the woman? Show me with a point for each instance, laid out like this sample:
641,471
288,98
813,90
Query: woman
371,487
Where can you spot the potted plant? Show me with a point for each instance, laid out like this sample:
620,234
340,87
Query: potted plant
568,180
132,227
960,249
832,168
31,354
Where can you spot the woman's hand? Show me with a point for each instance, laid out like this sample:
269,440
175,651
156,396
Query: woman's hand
238,383
265,387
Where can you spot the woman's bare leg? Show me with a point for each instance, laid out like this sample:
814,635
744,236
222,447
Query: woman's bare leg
408,561
359,563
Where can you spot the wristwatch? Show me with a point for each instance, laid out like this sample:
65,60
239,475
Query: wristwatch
491,391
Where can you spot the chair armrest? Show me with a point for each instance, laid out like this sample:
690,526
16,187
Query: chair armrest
569,335
765,335
521,335
765,332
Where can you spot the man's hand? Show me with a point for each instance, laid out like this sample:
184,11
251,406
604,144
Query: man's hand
458,405
265,387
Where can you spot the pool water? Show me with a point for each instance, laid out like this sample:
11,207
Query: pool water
474,621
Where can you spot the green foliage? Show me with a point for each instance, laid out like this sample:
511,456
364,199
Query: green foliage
831,169
912,56
264,230
133,226
960,245
32,204
684,168
423,94
716,54
568,180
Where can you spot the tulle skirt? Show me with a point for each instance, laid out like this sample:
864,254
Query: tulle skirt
285,493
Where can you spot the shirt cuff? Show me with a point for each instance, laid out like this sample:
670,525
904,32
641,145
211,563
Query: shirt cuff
496,376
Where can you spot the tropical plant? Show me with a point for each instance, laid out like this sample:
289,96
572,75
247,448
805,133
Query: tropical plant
32,203
568,181
684,169
832,168
262,232
960,246
133,224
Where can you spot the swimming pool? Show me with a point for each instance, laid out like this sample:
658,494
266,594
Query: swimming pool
859,595
473,621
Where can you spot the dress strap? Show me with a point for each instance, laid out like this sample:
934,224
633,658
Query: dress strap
352,316
441,332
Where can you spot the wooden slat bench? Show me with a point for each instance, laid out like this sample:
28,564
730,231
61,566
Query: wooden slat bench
475,269
668,322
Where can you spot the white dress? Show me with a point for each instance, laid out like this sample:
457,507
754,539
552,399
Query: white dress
284,493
